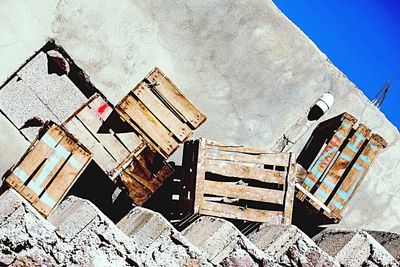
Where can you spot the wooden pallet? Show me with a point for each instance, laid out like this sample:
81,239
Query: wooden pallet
160,113
118,149
49,168
345,156
237,182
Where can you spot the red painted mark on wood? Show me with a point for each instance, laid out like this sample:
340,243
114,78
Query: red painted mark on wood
102,108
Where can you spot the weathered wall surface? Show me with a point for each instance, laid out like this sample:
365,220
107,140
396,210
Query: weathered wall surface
252,71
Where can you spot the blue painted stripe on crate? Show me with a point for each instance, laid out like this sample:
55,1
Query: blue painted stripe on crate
321,193
329,183
374,147
359,139
345,195
75,163
337,204
50,164
48,140
345,157
314,169
308,182
45,198
20,174
365,158
340,135
345,125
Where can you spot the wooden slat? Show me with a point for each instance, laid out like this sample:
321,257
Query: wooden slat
149,125
235,148
237,212
326,156
100,155
230,169
335,173
177,127
34,158
141,174
200,174
130,140
100,107
276,159
47,171
172,95
243,192
92,122
64,180
289,189
355,176
165,172
136,191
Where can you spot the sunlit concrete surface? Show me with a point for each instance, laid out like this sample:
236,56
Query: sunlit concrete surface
243,63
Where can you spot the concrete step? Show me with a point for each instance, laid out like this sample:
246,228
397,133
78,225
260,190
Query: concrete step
153,233
224,244
354,248
290,246
390,241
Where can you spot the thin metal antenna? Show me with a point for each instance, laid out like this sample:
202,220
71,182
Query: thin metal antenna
380,96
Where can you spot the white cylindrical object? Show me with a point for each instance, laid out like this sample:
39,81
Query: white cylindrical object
325,101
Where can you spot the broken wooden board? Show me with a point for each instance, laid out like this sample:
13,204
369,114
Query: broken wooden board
160,113
49,168
147,172
340,166
237,182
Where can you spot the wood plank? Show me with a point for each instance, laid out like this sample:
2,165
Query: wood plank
171,94
54,162
136,191
64,180
289,189
230,169
355,177
130,140
143,175
157,133
327,155
100,155
180,130
235,148
276,159
100,107
243,192
237,212
165,172
93,123
32,160
338,168
200,174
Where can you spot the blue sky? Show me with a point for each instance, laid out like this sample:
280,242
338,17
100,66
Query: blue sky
361,37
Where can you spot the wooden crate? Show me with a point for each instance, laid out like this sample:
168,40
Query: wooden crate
118,149
49,168
237,182
345,155
160,113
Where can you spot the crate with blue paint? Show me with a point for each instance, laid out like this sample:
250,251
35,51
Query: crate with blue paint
337,158
49,168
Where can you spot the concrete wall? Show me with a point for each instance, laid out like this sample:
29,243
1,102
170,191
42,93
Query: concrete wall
243,63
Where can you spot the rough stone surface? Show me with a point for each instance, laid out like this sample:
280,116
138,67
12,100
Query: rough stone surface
290,246
390,241
152,232
57,92
354,248
219,239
